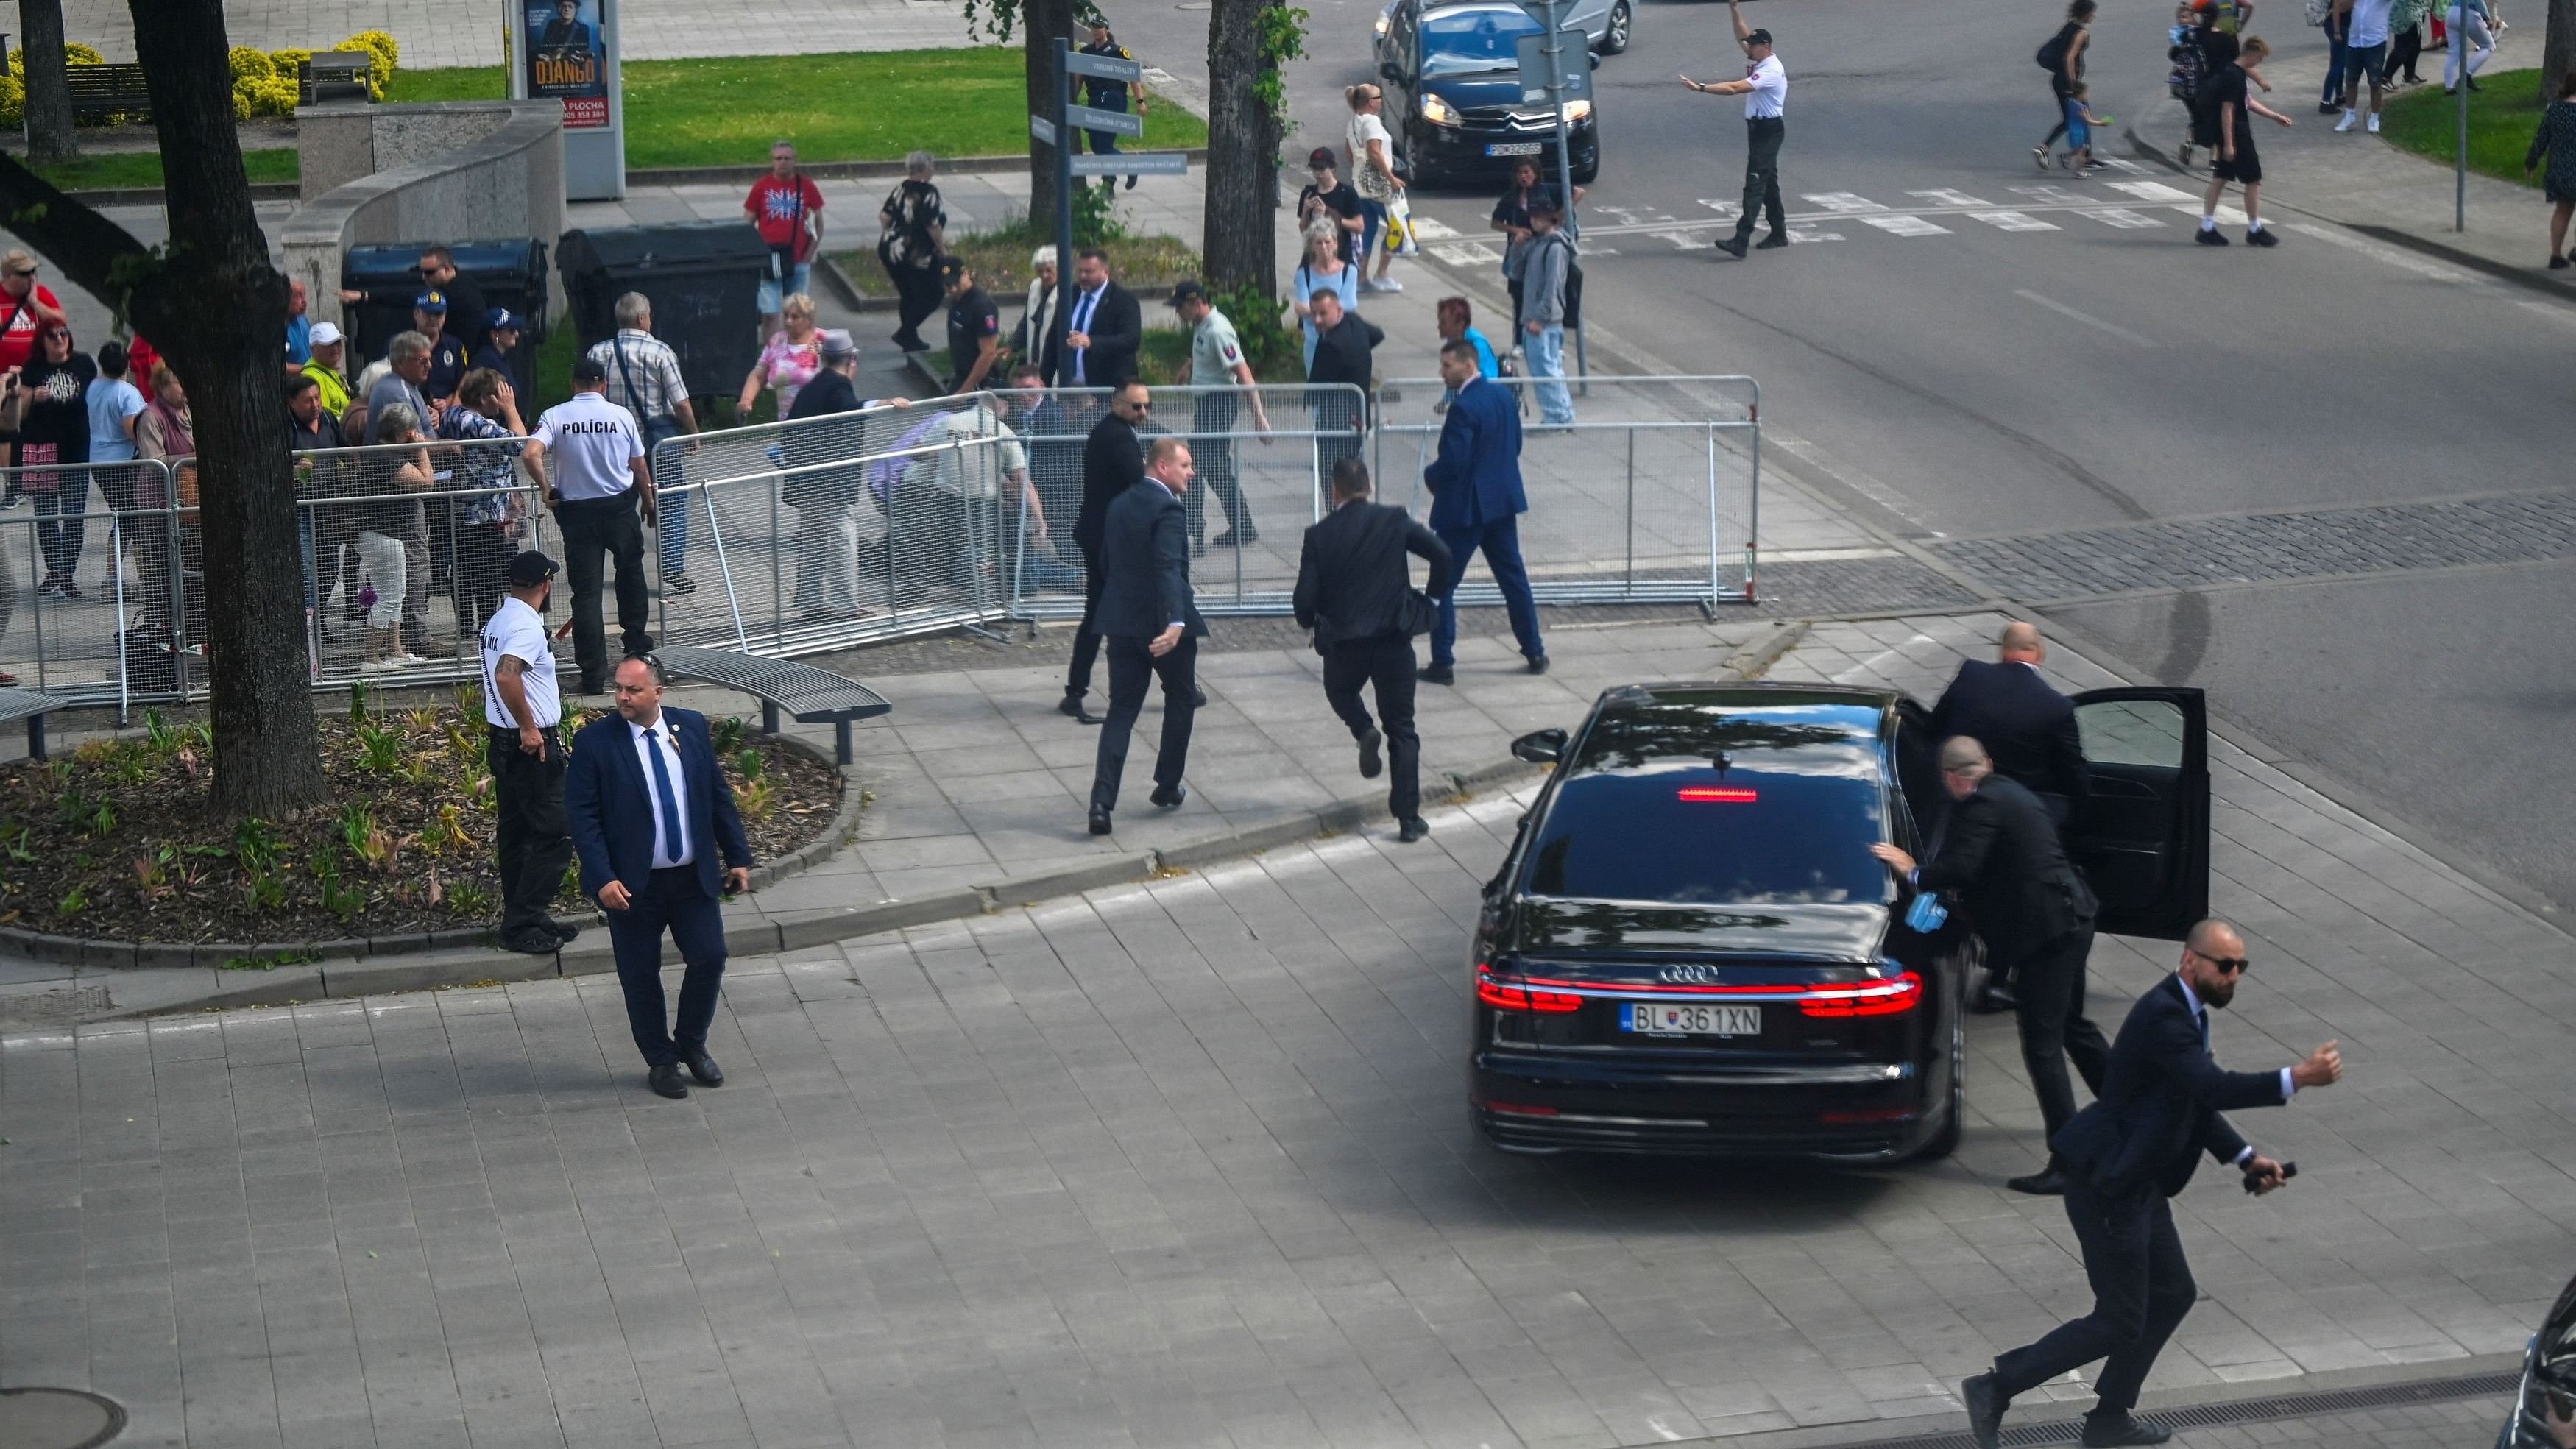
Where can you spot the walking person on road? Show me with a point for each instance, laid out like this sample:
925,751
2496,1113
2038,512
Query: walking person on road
2127,1156
522,708
1476,504
2555,139
1152,627
1113,463
1216,359
1372,153
2229,111
1765,89
1511,218
913,231
2063,56
2001,853
1102,94
1355,590
1547,309
602,496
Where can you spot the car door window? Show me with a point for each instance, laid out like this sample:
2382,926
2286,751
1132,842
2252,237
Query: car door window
2145,732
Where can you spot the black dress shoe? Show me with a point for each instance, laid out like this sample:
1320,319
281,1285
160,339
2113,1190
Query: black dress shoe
1773,242
1414,828
1538,665
1099,820
704,1068
666,1081
591,684
2049,1181
2103,1431
1733,246
1071,707
533,940
564,933
1985,1409
1169,799
1198,699
1370,762
1436,674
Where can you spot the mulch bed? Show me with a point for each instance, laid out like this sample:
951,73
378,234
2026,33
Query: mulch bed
115,840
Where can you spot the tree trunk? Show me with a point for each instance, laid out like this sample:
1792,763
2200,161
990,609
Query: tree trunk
1239,240
2558,48
50,141
1042,22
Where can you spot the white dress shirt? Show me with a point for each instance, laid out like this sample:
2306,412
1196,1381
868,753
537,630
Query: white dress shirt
667,852
2200,1016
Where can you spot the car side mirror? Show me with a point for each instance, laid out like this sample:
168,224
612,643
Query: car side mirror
1392,73
1540,747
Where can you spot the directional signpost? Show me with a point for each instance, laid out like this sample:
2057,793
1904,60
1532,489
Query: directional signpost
1058,131
1556,69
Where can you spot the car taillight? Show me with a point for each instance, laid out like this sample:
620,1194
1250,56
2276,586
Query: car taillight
1868,998
1509,994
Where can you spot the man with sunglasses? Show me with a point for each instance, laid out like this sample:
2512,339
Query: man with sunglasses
2125,1156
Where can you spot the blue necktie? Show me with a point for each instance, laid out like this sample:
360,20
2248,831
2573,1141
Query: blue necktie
662,788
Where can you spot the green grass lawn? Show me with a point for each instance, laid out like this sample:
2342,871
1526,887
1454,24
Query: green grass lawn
872,106
2502,115
117,170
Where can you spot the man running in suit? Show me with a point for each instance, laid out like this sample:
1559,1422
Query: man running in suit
1113,461
2000,851
650,811
2127,1155
1151,625
1355,590
1476,503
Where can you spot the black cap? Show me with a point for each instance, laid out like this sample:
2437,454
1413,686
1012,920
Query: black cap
951,268
530,569
1186,290
1544,203
1757,37
587,368
1321,157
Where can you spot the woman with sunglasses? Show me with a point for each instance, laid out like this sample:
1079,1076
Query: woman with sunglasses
47,408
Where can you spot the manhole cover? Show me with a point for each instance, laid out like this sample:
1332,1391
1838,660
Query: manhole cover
57,1419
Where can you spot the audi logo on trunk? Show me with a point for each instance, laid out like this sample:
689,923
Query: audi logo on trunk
1690,975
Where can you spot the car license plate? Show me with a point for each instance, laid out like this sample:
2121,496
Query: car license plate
1512,148
1661,1019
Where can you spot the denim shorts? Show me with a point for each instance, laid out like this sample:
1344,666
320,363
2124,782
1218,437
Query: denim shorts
770,297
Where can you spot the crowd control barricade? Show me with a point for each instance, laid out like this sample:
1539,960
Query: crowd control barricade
1651,495
92,588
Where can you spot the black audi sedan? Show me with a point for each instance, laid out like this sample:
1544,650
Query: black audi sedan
1690,949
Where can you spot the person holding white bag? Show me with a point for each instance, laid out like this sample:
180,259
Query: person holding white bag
1372,154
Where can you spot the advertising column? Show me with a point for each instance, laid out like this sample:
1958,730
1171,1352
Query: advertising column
566,50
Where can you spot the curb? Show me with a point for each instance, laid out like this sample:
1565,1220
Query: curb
837,170
387,952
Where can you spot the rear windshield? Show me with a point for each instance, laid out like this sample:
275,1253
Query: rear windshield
1479,40
1649,814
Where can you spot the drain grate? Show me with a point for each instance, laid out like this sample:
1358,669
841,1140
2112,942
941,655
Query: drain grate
2243,1411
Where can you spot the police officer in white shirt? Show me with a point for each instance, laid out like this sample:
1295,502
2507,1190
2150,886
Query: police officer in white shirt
523,707
1765,89
602,496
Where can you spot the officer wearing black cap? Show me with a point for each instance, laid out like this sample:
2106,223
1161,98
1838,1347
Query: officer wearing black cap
974,328
1103,94
1765,89
524,708
499,350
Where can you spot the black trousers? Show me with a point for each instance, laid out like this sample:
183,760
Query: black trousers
2141,1289
534,843
1762,138
2402,54
595,530
1386,665
2057,98
1131,668
482,573
671,900
917,295
1215,413
1086,639
2048,991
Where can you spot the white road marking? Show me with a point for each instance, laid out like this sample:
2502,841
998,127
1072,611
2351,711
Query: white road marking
2118,163
1801,235
2227,215
1681,240
2127,220
2150,191
2087,318
2553,312
1432,229
2402,260
1948,198
1825,555
2055,196
1842,203
1725,209
1465,254
1871,667
1896,225
2012,221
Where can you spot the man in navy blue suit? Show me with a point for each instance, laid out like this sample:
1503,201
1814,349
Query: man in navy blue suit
2128,1153
1150,622
2027,726
650,811
1476,503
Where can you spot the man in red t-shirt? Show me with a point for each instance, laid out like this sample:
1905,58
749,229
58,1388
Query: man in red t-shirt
25,308
788,209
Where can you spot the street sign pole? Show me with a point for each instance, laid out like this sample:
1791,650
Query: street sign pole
1564,159
1062,322
2460,166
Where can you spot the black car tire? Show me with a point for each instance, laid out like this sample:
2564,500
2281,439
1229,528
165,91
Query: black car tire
1584,174
1946,1141
1614,40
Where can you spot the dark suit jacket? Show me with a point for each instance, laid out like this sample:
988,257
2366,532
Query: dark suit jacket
1117,330
608,801
1344,354
1113,461
1145,566
2028,728
1353,581
2000,852
1476,479
2160,1103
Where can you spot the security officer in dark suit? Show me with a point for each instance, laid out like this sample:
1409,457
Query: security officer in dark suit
1355,590
1113,461
2126,1155
1152,626
2000,851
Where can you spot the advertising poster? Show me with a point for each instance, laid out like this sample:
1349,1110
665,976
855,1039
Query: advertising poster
566,62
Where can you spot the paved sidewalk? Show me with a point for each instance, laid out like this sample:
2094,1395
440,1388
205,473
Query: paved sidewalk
463,33
1183,1163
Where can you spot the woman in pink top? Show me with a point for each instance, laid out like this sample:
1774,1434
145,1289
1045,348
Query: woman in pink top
788,361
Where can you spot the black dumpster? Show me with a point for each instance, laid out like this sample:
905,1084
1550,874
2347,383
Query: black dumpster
511,273
703,278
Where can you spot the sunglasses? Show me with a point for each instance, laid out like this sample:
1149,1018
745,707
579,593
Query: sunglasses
1142,407
2227,965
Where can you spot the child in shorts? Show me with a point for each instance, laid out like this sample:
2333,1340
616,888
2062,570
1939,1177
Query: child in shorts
2080,122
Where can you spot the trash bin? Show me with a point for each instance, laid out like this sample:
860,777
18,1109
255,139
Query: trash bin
704,281
510,272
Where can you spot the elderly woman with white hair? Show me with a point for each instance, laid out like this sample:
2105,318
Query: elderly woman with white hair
915,232
1030,341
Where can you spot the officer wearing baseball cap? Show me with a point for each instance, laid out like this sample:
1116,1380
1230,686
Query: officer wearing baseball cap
974,328
524,708
499,352
446,353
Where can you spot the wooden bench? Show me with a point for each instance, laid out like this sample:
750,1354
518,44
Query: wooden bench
809,694
101,91
335,75
32,705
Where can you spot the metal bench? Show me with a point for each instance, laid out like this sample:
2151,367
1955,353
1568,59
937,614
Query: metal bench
32,705
101,91
809,694
335,75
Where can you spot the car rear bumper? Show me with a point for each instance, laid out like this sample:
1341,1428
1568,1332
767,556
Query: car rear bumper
1593,1102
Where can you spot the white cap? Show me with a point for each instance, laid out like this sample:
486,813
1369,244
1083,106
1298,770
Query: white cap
326,333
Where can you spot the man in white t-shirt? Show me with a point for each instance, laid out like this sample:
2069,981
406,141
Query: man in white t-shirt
523,708
2365,49
1765,89
602,496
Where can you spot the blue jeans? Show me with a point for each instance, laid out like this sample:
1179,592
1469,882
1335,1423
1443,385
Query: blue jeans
2338,60
1373,231
60,538
1546,354
771,297
1501,542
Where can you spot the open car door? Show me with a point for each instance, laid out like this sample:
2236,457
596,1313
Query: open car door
2143,839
